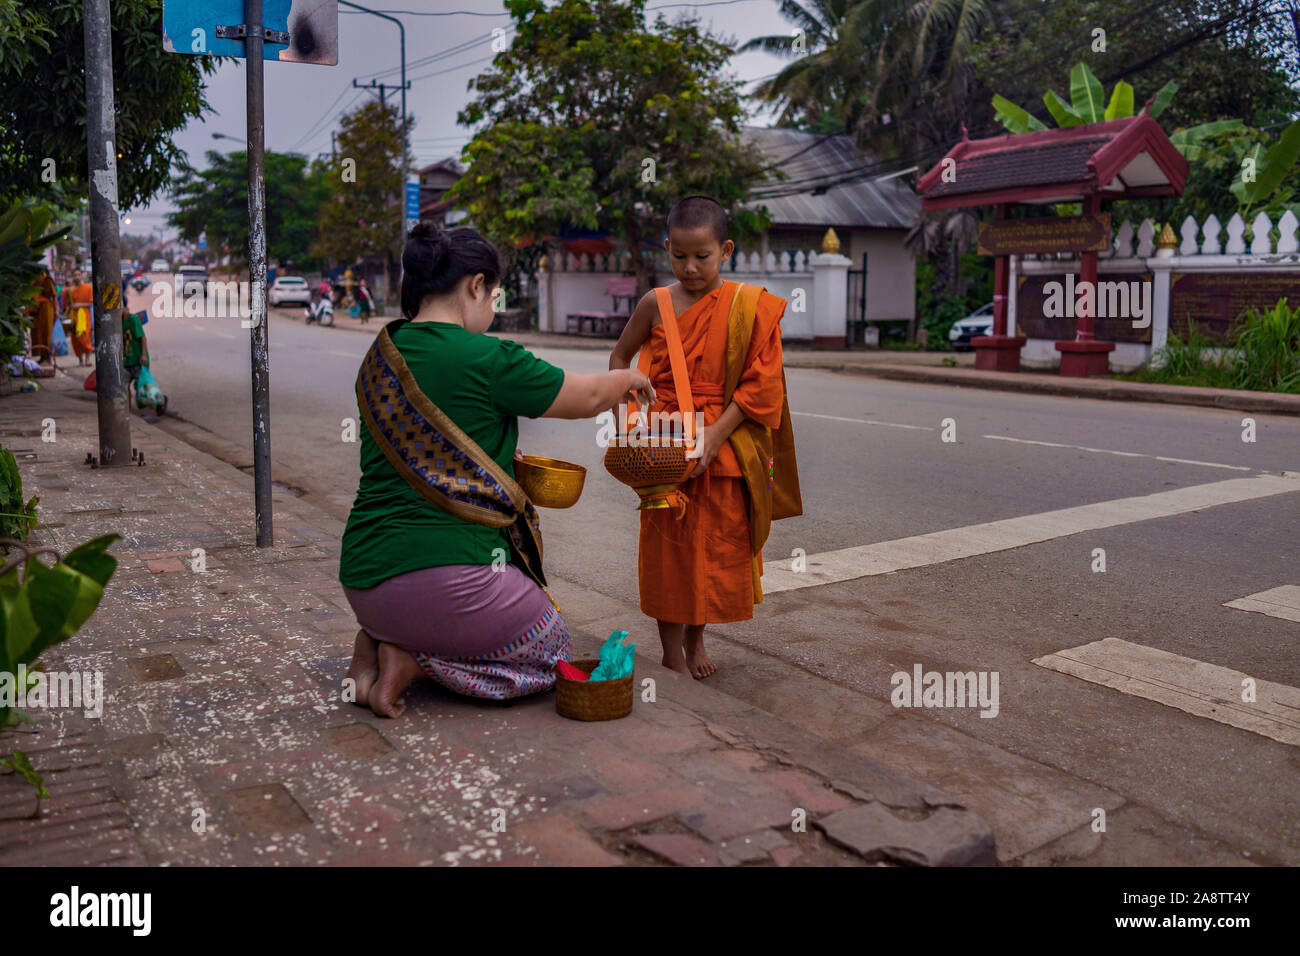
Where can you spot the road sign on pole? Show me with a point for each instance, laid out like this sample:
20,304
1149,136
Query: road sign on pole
295,31
412,201
300,31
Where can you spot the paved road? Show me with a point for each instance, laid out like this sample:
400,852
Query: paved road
1190,517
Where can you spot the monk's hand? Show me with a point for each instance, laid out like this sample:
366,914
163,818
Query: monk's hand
707,445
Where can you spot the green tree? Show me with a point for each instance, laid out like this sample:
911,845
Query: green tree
43,99
592,120
214,204
1228,58
363,216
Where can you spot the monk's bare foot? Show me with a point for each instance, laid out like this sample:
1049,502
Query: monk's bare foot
397,668
364,669
676,662
697,661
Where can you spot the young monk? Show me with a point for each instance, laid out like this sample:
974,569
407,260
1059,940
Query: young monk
703,565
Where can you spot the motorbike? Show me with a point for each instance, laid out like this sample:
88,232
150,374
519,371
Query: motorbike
321,312
139,283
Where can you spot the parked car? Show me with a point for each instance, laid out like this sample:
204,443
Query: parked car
128,269
978,323
160,265
189,275
287,289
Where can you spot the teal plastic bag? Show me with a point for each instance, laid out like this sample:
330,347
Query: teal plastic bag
147,392
615,659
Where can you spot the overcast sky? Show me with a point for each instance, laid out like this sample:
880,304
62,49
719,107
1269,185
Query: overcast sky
447,43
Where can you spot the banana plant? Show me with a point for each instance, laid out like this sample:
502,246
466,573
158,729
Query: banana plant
1268,171
22,240
1088,104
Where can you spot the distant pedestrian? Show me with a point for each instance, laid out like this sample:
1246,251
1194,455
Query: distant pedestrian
44,317
365,301
81,298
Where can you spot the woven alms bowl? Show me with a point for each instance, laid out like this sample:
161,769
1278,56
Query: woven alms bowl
643,465
549,482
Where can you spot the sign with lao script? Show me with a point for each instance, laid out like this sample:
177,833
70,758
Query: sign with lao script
1044,234
1215,300
299,31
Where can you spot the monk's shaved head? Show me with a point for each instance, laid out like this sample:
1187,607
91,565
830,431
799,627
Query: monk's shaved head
695,212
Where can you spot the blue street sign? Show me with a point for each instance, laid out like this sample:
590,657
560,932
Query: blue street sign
190,26
413,198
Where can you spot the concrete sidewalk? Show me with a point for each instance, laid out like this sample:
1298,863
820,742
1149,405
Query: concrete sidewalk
930,368
224,740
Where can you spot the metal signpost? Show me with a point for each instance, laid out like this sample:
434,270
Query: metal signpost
299,31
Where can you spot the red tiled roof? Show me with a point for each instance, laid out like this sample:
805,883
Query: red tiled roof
1054,164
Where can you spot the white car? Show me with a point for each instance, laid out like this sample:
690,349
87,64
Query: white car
160,265
286,289
978,323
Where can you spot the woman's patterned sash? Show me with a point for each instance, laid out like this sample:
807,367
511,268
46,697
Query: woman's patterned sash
437,458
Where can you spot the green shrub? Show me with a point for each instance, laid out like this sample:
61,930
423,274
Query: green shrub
1269,349
17,518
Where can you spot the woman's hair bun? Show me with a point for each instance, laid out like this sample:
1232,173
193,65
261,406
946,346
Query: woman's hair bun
428,230
435,259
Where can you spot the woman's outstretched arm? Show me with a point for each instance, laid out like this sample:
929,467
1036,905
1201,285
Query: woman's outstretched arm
586,396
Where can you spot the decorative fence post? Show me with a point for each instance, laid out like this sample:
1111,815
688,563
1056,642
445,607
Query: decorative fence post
830,299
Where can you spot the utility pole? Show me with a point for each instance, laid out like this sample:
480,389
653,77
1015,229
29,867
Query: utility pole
405,85
401,185
259,344
101,158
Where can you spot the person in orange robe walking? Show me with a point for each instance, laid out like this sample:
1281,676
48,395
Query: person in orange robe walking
702,566
80,298
43,318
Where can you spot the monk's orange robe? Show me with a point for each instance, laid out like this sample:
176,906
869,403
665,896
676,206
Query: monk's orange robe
80,299
699,569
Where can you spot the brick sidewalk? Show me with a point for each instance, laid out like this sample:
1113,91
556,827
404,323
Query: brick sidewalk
223,705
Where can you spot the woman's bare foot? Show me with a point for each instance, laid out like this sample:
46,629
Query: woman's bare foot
397,668
697,660
364,669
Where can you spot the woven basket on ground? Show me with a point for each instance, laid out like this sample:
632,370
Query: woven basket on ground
592,700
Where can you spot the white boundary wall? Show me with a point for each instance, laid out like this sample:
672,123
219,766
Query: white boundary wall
1204,248
815,286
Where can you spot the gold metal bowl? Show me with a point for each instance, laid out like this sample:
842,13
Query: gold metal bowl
549,482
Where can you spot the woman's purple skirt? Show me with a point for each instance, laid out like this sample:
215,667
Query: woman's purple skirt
475,629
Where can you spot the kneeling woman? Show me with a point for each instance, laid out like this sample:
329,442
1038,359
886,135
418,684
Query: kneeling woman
441,558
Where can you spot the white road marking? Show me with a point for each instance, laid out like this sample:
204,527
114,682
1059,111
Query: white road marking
1193,686
344,355
863,421
938,547
1283,602
1125,454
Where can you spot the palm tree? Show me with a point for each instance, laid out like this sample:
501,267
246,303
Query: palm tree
892,73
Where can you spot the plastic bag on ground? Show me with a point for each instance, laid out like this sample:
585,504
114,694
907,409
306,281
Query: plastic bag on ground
615,660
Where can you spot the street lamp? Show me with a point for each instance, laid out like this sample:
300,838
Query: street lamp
225,136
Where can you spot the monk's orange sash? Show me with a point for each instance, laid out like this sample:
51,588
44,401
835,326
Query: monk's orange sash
766,455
